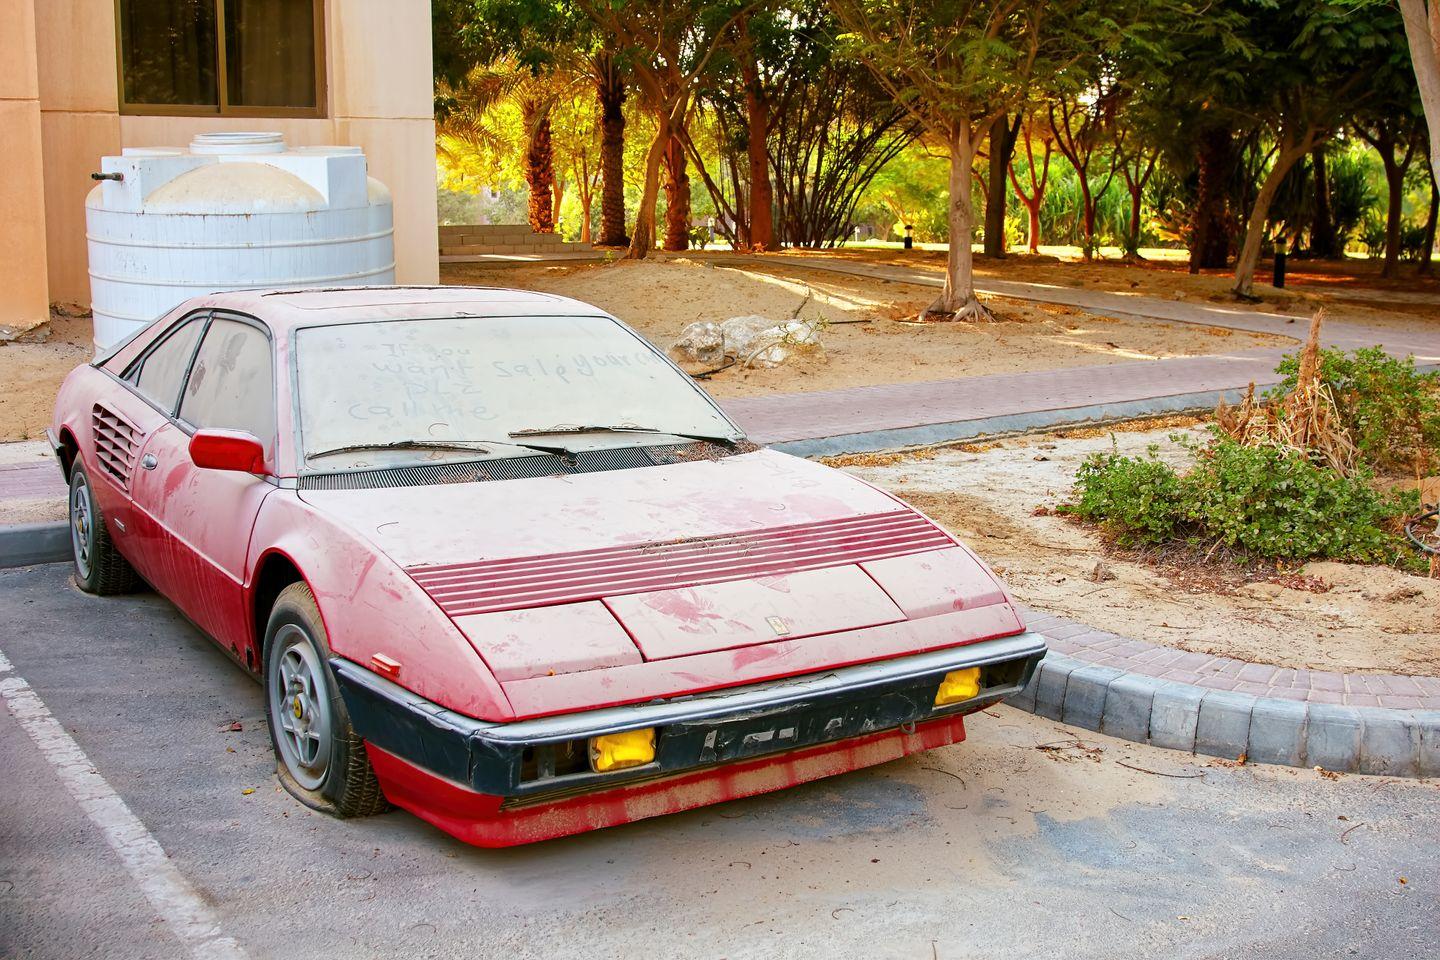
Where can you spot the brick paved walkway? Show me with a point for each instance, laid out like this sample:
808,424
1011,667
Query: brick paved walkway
1085,643
31,481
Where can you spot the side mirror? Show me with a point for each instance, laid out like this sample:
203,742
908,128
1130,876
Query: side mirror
228,450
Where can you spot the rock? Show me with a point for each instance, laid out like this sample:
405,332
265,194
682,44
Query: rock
1101,572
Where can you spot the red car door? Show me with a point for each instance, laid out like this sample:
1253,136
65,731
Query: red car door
122,423
205,517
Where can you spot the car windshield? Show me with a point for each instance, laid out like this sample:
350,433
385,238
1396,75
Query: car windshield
415,385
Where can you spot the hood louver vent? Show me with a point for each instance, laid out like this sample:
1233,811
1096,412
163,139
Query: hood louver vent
117,441
508,468
492,585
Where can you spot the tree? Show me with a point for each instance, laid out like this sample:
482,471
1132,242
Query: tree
1422,31
956,67
1082,130
668,46
609,84
1315,64
1031,130
1391,119
1001,149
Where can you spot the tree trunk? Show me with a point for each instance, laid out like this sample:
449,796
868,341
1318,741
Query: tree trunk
559,191
1423,33
757,116
1323,241
1033,208
958,301
610,95
1002,148
677,197
1394,184
1259,214
539,167
1132,230
642,238
1087,219
1427,262
1209,234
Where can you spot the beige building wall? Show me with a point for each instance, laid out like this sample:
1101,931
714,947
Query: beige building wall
24,292
378,97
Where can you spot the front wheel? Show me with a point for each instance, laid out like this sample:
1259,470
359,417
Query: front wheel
318,756
99,568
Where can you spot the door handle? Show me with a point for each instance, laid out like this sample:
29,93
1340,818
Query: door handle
148,461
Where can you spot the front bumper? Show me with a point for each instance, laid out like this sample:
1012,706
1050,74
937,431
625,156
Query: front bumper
533,760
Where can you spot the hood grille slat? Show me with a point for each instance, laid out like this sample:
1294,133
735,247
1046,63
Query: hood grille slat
489,586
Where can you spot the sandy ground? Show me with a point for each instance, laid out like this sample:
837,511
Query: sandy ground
863,341
1355,618
1349,290
30,373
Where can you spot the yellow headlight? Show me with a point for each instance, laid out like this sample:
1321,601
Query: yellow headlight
616,751
958,685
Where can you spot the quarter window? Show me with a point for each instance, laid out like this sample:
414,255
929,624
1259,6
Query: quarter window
221,57
163,369
231,384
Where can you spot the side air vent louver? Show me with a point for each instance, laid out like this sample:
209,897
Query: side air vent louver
511,584
117,441
508,468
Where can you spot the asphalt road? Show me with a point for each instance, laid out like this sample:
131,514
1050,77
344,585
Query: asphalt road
991,848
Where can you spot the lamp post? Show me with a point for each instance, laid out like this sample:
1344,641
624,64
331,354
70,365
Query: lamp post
909,237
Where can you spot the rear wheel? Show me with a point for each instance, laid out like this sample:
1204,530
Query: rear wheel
318,756
99,568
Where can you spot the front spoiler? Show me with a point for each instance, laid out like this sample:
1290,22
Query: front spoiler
692,732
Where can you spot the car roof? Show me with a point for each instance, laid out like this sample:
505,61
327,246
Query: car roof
284,309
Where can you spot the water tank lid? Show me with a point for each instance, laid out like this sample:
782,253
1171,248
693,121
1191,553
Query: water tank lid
235,188
238,142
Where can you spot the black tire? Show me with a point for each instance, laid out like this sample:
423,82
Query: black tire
339,780
99,568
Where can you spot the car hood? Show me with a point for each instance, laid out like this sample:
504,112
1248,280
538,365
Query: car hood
445,524
589,571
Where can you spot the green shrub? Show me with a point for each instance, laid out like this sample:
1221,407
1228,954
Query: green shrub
1391,410
1276,503
1257,501
1137,499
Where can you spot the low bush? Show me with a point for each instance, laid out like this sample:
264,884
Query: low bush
1259,501
1391,410
1137,499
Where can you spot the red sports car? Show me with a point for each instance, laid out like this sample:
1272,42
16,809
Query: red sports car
497,561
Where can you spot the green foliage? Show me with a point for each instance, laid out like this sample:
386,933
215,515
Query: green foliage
1257,501
1273,502
1391,410
1136,498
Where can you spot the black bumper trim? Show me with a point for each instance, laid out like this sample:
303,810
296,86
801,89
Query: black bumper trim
693,731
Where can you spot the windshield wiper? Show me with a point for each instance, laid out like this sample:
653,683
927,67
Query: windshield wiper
474,446
622,428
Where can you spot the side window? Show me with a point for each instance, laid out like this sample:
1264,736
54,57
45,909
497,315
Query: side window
163,369
231,384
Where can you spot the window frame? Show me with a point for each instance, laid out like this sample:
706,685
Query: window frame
223,108
273,448
130,376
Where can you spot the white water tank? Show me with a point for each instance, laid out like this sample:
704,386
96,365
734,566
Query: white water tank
234,211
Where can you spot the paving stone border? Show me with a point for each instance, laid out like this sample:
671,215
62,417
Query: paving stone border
1347,722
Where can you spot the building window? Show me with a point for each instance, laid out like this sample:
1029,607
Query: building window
242,58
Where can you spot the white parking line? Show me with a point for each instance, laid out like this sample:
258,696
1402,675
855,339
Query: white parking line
173,899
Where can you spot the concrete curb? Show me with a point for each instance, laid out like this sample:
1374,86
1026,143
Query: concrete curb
27,543
1228,724
960,430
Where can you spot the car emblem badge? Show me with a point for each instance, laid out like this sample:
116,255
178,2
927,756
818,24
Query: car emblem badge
779,625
